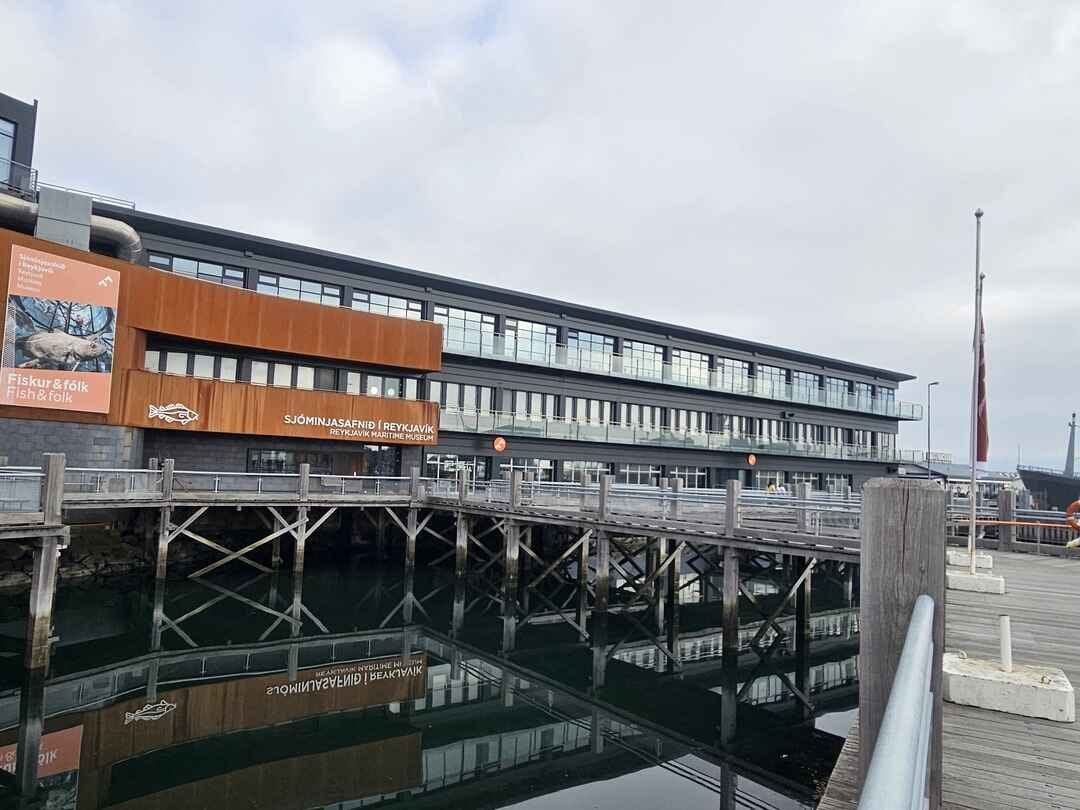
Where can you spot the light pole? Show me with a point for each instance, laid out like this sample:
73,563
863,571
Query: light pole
928,387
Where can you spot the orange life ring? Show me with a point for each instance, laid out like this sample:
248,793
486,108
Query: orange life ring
1070,516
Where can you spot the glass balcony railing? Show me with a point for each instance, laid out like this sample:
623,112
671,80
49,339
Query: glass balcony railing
508,424
506,347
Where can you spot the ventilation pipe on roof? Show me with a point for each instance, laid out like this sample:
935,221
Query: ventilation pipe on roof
21,214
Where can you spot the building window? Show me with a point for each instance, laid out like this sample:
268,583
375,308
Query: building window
465,330
684,421
476,398
326,379
639,416
576,471
152,360
589,350
288,461
305,377
637,474
580,409
804,386
770,381
528,341
228,369
836,391
689,367
692,477
299,289
886,397
813,479
643,359
836,482
204,366
448,465
282,375
176,363
7,147
259,372
543,469
763,479
732,375
391,305
864,395
204,271
534,405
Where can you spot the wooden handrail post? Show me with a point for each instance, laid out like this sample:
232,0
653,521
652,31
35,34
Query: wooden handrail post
731,510
304,485
1007,514
902,556
515,489
52,494
168,469
605,491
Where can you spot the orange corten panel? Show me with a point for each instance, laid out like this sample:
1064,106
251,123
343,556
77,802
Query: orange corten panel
156,301
220,407
244,318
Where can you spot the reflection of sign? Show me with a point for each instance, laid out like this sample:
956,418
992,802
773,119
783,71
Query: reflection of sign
58,767
499,444
360,674
151,711
176,412
751,459
59,331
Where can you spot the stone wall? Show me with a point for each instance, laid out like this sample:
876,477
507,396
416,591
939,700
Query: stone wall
22,441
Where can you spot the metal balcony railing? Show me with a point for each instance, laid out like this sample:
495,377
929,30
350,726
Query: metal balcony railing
508,424
18,179
502,347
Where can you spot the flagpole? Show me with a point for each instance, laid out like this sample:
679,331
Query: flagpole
973,495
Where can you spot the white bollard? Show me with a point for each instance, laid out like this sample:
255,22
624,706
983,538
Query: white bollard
1006,643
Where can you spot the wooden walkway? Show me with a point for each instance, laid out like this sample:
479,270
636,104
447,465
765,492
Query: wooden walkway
996,761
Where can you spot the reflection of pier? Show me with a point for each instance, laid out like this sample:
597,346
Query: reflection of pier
608,572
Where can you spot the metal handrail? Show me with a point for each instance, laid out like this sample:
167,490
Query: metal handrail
899,774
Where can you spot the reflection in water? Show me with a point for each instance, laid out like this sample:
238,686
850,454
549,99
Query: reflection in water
239,690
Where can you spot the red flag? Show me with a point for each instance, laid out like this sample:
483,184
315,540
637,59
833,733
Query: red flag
983,429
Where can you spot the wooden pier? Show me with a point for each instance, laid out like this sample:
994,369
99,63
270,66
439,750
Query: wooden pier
992,760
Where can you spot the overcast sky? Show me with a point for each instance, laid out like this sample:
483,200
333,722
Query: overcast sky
796,173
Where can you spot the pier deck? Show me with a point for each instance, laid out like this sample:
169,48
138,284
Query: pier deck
996,761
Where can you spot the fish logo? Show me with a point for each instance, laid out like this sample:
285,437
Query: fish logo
151,711
175,412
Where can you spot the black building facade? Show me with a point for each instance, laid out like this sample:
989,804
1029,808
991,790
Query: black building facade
573,390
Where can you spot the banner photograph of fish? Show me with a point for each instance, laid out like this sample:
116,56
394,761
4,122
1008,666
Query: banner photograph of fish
59,335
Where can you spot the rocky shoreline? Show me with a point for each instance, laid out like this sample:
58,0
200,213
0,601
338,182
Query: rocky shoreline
95,551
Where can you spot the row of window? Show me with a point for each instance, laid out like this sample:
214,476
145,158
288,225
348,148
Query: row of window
448,465
474,332
540,406
281,374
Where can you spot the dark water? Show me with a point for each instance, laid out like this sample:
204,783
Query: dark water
354,709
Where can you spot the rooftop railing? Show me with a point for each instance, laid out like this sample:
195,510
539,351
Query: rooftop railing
18,179
1050,470
502,347
509,424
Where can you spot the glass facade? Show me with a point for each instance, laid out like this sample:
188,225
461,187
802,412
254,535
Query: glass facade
692,477
542,469
642,359
466,330
7,147
732,375
576,471
689,367
299,289
770,380
589,350
528,341
204,271
447,465
391,305
362,460
637,474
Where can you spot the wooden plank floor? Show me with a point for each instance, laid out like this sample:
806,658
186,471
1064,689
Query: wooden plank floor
996,761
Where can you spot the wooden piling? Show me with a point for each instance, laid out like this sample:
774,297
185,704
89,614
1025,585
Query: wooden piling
903,555
731,507
410,564
599,620
461,562
1006,513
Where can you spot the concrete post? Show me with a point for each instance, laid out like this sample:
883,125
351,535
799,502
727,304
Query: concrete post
1006,512
903,555
731,510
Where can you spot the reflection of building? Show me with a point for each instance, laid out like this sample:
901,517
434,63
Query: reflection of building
574,390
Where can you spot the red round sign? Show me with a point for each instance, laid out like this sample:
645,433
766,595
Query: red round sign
751,459
499,444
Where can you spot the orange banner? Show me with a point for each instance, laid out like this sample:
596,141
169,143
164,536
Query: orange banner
59,332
